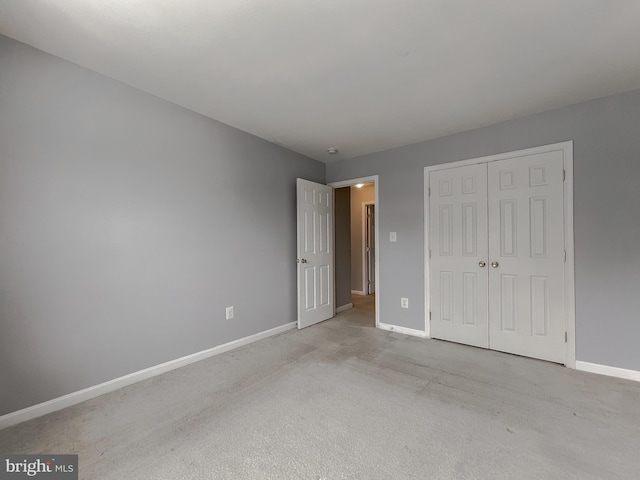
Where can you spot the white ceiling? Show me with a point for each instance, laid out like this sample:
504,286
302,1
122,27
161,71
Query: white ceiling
359,75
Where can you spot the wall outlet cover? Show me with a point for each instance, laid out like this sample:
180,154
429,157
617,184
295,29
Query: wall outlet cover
229,313
404,302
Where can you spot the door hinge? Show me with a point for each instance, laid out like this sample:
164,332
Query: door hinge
565,337
429,191
565,255
429,314
564,175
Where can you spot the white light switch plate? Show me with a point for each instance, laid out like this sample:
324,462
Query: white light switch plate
404,302
393,236
229,313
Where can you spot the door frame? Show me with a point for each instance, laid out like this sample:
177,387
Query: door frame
569,264
349,183
365,260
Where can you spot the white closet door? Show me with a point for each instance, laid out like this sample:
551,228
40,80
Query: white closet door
458,240
526,255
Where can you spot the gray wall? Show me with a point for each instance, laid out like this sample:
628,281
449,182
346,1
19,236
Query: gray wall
606,135
342,206
127,224
358,195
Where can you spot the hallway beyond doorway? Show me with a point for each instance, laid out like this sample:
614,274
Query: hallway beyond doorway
363,312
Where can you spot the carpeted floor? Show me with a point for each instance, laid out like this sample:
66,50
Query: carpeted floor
342,400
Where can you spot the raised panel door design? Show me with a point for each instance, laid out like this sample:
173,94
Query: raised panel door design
526,240
470,230
445,189
315,252
446,230
507,180
310,288
539,306
470,298
323,198
537,176
446,296
469,184
309,232
458,242
508,302
538,226
324,286
323,234
508,222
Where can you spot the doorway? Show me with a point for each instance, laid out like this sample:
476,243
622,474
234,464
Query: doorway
356,232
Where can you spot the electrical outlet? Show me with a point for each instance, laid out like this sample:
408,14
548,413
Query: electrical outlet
404,302
229,313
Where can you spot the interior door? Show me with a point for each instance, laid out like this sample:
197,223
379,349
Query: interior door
458,243
371,248
315,252
526,247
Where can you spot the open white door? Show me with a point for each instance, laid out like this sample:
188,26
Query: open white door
315,253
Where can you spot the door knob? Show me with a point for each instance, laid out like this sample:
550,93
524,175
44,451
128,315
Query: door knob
482,264
494,264
303,260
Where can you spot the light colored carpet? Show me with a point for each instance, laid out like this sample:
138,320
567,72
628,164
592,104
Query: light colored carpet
342,400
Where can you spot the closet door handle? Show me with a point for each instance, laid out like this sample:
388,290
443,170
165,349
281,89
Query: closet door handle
495,264
482,264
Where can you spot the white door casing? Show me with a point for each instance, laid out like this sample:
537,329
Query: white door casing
526,245
315,252
458,242
531,295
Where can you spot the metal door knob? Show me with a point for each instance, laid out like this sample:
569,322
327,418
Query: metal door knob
303,260
494,264
482,264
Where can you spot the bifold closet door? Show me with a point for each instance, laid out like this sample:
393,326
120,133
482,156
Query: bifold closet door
458,243
526,256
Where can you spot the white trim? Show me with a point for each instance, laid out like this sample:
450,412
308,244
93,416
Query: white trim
569,265
427,262
363,245
345,307
404,330
376,183
74,398
607,370
358,292
354,181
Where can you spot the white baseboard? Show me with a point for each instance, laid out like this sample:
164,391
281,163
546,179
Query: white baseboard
610,371
405,330
342,308
74,398
358,292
